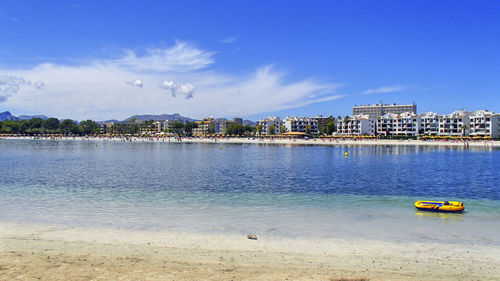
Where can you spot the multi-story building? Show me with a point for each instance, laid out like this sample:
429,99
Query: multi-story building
268,122
221,126
429,124
322,121
391,124
238,121
301,124
454,124
203,127
484,123
381,109
408,124
357,125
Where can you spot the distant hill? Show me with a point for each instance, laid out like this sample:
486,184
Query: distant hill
28,117
249,122
161,117
6,116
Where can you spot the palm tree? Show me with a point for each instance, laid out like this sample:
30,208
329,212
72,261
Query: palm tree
259,129
464,128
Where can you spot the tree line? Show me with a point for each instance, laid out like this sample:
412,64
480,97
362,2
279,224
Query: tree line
37,126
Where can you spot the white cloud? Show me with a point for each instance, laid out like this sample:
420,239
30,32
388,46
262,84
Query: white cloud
176,88
181,57
386,89
229,40
98,91
11,85
136,83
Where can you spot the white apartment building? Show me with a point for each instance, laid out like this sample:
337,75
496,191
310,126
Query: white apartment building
268,122
169,124
453,124
390,124
376,110
356,125
429,124
484,123
301,124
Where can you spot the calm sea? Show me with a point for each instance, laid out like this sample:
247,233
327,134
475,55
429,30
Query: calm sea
271,190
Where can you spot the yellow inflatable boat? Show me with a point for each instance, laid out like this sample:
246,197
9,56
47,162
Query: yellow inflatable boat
440,206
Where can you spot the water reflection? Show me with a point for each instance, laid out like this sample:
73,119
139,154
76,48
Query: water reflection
446,217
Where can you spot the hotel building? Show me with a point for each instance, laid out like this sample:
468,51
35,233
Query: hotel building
301,124
453,124
357,125
406,123
429,124
484,123
381,109
268,122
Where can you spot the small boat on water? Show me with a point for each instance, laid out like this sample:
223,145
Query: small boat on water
440,206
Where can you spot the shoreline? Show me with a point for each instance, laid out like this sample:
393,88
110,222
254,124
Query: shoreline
283,141
55,252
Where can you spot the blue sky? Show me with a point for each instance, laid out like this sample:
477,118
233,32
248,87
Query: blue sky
112,59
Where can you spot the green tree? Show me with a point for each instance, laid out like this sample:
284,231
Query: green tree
188,128
35,123
51,124
330,127
272,129
284,129
464,129
89,127
68,126
249,129
211,128
178,128
235,129
259,129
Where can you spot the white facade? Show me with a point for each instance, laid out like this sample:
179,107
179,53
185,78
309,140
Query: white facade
268,122
484,123
453,124
301,124
429,124
390,124
357,125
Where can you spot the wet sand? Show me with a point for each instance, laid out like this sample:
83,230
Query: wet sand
49,252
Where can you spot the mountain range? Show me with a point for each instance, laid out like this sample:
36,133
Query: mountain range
7,116
145,117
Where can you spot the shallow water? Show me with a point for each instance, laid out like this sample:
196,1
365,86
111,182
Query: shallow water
284,191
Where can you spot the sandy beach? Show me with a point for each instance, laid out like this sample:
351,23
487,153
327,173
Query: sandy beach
51,252
289,141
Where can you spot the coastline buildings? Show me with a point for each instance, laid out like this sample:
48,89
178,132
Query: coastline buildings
376,110
454,124
301,125
484,123
267,123
429,124
203,127
356,125
404,124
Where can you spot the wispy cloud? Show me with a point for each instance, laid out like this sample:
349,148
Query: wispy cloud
229,40
181,57
105,89
10,85
386,89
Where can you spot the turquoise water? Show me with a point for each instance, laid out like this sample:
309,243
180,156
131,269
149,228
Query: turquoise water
272,190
